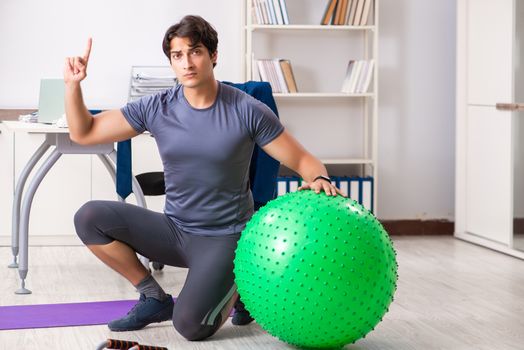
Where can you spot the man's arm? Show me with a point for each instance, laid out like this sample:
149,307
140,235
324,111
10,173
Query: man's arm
287,150
109,126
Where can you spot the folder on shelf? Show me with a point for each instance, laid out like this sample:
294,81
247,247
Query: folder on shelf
354,188
360,189
343,185
293,184
281,186
367,193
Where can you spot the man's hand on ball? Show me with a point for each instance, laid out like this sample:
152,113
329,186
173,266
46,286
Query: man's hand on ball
322,185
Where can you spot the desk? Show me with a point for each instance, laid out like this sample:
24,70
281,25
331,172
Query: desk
59,139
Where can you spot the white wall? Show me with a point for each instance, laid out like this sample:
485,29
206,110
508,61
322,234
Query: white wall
417,75
38,35
417,109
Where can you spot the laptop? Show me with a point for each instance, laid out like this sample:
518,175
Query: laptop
51,101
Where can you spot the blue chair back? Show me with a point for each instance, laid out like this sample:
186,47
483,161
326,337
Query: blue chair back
263,171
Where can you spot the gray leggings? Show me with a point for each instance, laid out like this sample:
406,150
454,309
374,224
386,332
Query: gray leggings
210,281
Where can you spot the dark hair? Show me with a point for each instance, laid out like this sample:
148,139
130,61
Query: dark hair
197,29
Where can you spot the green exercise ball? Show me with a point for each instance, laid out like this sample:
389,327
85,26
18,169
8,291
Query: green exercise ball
314,270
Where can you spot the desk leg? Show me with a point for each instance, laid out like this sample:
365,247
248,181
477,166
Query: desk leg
24,218
104,158
17,199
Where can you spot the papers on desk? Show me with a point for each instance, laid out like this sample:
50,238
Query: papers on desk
29,118
61,122
33,118
147,80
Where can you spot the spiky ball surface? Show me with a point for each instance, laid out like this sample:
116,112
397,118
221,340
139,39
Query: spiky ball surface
314,270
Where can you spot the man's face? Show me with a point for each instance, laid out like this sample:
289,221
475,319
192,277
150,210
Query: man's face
193,65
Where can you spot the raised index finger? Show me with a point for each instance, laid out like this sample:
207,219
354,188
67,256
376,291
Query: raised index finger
88,49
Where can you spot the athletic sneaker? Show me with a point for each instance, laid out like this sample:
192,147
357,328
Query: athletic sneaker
146,311
241,316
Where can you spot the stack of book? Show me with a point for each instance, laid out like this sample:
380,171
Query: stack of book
358,76
278,73
270,12
357,188
147,80
347,12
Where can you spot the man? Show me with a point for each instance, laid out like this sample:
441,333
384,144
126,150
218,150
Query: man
205,132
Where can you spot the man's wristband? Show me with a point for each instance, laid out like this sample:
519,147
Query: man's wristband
323,177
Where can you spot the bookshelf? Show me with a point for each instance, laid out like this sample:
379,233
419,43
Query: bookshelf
319,88
261,27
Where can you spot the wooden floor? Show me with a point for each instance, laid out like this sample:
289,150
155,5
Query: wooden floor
451,295
518,241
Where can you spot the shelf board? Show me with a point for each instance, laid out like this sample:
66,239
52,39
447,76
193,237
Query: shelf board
346,161
321,94
306,27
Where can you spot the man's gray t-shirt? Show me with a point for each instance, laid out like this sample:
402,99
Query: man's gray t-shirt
206,154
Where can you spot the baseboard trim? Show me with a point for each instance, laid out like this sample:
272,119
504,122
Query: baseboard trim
419,227
486,243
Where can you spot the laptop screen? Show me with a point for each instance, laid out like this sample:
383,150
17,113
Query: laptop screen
51,101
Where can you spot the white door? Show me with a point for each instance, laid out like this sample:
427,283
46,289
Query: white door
490,79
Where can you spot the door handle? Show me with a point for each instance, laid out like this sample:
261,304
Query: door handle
510,106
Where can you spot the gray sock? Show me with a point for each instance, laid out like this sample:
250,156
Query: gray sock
150,288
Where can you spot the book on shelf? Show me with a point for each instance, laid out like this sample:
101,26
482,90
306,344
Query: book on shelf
358,12
278,73
358,76
338,9
328,13
347,12
283,8
285,65
278,12
364,19
351,14
272,12
343,13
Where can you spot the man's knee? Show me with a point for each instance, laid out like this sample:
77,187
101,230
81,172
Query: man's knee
191,328
86,219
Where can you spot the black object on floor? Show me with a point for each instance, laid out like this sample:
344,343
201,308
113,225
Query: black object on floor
241,316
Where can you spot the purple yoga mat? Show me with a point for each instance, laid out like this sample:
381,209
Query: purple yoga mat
63,315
